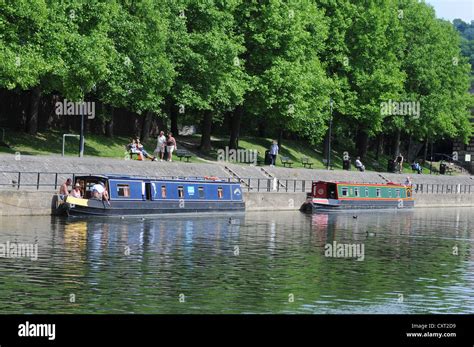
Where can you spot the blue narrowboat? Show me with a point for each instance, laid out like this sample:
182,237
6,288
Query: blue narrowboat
334,196
130,195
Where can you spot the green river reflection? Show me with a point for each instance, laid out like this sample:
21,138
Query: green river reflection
254,263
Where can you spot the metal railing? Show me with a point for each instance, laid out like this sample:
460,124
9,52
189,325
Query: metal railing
37,180
431,188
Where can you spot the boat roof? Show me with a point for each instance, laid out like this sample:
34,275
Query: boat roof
165,178
365,184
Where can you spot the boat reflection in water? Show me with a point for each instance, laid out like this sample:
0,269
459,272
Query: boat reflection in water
228,263
138,236
358,225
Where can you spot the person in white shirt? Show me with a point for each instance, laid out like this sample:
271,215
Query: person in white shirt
359,165
160,146
99,192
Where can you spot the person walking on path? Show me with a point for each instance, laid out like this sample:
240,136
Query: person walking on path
399,162
273,153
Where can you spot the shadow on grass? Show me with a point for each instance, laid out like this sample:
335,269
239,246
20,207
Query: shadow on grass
51,143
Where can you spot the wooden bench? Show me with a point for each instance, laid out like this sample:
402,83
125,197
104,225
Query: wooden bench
182,153
286,161
305,161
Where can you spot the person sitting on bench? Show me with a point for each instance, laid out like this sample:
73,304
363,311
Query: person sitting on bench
416,167
359,165
132,147
143,151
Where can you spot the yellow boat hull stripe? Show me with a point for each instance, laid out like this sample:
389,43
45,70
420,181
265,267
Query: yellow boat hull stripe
77,201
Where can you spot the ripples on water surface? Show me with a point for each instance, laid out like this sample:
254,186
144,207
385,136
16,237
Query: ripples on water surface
250,265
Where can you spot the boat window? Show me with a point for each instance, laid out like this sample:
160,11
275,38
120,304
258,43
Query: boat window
397,192
123,190
366,192
220,192
163,192
344,191
180,192
378,192
356,191
201,192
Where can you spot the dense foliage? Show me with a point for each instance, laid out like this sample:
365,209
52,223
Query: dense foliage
255,66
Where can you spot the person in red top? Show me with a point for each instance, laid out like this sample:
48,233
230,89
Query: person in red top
170,146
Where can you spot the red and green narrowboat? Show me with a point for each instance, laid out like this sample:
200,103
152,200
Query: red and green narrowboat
328,196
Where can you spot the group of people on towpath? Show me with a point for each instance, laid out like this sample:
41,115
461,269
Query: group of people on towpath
165,147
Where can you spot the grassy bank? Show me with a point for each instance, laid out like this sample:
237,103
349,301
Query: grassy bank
46,143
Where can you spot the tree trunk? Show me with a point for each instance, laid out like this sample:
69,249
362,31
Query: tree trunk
24,106
109,126
425,153
379,146
172,112
146,126
409,154
235,128
137,126
206,126
34,111
362,143
174,120
280,137
396,143
261,128
52,116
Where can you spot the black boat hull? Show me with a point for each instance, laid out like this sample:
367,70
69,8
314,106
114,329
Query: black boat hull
126,208
366,204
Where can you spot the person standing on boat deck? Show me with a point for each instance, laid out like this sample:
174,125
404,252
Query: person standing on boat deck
408,181
160,145
64,190
273,152
359,165
76,192
171,146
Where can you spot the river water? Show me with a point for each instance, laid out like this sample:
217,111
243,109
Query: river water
419,261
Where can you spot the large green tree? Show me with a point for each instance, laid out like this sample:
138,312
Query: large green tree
290,90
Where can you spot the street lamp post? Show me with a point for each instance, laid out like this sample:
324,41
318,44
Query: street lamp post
329,136
431,157
81,139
